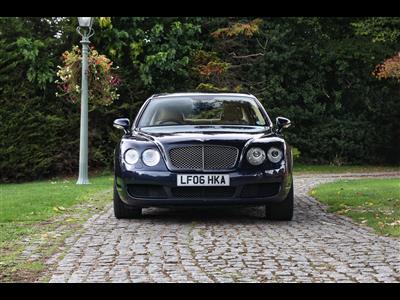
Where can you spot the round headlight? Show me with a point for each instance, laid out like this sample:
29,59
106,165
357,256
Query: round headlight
131,156
256,156
151,157
274,154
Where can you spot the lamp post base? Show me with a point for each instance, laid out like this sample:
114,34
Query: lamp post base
83,181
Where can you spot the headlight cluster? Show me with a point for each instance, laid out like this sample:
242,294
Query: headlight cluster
274,154
131,156
150,157
256,156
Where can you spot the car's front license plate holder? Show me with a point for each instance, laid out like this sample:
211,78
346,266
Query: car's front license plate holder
203,180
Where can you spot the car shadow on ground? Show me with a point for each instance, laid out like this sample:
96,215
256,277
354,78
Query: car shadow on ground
206,214
229,214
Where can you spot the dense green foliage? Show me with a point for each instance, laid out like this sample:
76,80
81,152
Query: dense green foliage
315,71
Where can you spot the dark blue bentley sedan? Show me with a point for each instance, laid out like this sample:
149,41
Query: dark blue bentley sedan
203,149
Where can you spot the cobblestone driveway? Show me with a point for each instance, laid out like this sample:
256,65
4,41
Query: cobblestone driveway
230,245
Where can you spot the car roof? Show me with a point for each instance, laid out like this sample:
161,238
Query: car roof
168,95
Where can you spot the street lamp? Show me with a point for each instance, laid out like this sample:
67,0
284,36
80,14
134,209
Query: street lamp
86,31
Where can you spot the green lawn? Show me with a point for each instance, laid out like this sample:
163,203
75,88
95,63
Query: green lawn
303,168
372,202
33,212
29,203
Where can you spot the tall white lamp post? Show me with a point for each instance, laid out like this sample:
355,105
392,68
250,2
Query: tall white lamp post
86,31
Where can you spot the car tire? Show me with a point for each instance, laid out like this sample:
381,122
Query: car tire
282,211
123,211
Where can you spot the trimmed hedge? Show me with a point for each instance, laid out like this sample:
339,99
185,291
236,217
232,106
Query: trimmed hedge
340,113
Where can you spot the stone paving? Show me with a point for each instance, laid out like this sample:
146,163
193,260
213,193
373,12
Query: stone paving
230,244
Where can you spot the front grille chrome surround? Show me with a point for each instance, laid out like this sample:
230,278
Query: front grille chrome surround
204,157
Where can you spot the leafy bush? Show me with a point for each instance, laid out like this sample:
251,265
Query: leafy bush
315,71
296,153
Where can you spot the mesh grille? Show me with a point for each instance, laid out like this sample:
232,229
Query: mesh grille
187,157
146,191
208,157
218,157
260,190
200,192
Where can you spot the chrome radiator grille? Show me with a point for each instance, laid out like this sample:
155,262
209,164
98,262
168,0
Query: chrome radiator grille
207,157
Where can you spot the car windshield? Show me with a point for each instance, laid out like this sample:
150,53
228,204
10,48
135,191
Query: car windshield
190,111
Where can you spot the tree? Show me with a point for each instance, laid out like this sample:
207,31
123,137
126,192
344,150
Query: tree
316,71
378,29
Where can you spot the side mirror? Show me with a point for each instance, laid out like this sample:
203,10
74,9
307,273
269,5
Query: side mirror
123,124
281,123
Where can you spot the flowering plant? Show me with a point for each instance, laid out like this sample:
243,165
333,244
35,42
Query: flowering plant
390,68
103,82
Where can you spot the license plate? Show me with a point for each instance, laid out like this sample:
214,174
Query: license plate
202,180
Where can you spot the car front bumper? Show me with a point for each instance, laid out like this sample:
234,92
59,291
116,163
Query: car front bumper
159,188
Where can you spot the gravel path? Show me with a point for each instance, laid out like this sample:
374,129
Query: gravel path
231,244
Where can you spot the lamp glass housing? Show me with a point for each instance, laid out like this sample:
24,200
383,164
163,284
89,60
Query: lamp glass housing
85,22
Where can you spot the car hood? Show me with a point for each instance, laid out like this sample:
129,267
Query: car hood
172,136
